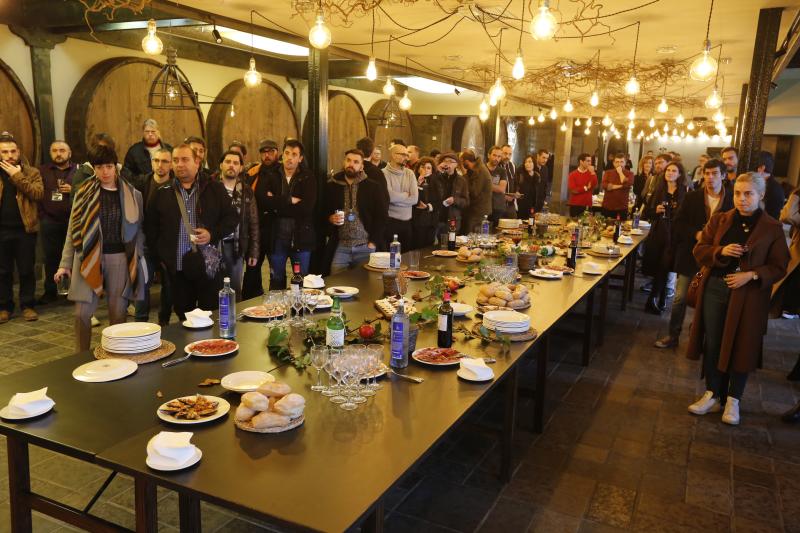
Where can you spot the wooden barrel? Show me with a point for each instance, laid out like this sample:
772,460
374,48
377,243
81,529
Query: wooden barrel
112,98
18,115
346,125
382,135
263,112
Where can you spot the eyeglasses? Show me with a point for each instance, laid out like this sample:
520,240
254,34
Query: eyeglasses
159,161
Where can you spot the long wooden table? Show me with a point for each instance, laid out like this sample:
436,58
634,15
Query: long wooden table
327,475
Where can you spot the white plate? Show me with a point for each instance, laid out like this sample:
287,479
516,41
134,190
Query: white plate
188,348
222,409
460,309
637,232
5,413
546,274
246,381
347,292
104,370
131,329
249,313
468,376
324,302
593,272
445,253
171,468
644,225
189,325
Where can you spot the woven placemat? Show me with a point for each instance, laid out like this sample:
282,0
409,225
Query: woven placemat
248,426
165,350
515,337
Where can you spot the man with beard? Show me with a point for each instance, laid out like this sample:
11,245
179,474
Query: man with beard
507,163
244,242
20,189
730,156
356,220
140,154
452,188
403,196
54,209
375,174
545,181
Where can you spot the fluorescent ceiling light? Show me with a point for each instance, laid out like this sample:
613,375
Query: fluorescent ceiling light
264,43
428,86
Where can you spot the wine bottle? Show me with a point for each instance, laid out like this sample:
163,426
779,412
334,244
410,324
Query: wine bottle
451,236
334,328
394,254
399,338
297,279
617,228
532,223
445,333
572,257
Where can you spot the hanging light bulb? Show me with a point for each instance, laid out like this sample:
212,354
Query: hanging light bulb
492,99
531,121
388,87
568,107
405,102
662,106
605,134
540,118
713,101
690,125
666,126
631,125
606,121
587,131
589,122
594,100
683,134
518,72
320,35
484,107
652,122
632,113
172,91
563,126
483,116
372,70
640,134
543,24
252,78
553,113
674,132
704,67
679,119
577,121
151,44
233,111
719,116
632,86
628,135
498,89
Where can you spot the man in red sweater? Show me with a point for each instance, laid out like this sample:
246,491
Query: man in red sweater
617,183
581,182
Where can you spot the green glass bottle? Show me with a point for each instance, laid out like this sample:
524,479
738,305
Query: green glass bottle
334,329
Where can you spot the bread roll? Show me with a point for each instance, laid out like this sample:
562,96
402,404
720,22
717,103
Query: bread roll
255,401
481,299
505,294
497,301
291,405
487,290
274,389
516,304
269,420
474,257
244,413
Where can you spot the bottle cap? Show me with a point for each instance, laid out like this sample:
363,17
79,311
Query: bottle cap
226,279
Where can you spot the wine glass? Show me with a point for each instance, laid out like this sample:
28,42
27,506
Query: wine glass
349,373
375,352
297,305
310,300
319,355
331,390
337,372
358,362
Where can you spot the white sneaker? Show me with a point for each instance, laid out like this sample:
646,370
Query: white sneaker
706,404
95,322
731,414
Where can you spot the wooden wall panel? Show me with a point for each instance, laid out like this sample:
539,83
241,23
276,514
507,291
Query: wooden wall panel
346,125
382,135
17,115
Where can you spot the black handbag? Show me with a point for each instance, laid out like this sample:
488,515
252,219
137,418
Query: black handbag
199,263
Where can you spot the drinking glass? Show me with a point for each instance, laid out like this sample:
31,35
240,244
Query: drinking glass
443,241
337,372
358,363
62,286
375,352
349,373
331,390
297,305
413,259
319,355
310,303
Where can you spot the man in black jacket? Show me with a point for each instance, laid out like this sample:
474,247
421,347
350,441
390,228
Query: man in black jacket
375,174
211,216
291,198
773,195
356,221
451,188
693,213
140,154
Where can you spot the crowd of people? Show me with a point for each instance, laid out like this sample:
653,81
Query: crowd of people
166,215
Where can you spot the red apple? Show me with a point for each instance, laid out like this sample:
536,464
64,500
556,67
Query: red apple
366,331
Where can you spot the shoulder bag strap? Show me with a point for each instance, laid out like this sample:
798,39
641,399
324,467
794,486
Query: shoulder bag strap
185,218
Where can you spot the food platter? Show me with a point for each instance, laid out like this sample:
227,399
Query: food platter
445,253
212,347
415,274
263,312
437,356
185,409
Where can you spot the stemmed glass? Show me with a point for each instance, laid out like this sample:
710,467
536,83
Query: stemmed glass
375,353
331,390
310,300
338,365
297,305
319,356
358,364
349,375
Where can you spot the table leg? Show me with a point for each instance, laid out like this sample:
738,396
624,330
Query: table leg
374,521
146,505
541,379
19,484
603,307
623,304
510,415
634,254
189,511
588,322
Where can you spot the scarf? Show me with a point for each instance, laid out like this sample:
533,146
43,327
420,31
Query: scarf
86,236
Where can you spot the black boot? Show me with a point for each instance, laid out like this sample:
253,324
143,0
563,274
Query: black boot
652,306
792,415
794,375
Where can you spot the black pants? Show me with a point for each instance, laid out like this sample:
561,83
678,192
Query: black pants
424,236
17,248
143,306
52,235
576,210
188,294
716,298
251,281
404,232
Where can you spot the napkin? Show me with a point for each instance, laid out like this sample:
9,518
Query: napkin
199,318
171,447
591,266
476,368
312,281
28,403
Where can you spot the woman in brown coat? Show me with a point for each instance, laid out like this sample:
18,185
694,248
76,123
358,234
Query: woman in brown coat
742,252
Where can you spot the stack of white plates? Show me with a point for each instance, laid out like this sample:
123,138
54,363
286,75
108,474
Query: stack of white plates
508,223
131,337
506,321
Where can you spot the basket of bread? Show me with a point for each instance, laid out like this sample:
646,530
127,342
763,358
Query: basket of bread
272,408
469,255
512,296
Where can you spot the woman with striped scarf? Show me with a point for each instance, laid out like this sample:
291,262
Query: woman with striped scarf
103,252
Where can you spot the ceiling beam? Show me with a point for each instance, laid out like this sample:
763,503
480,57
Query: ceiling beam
788,49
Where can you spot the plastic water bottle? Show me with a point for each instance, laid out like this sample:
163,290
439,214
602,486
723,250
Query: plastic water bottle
227,311
637,216
394,254
485,226
399,337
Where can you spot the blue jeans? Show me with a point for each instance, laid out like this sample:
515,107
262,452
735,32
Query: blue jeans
234,267
277,263
349,256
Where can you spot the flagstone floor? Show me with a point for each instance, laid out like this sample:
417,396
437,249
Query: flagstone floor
619,451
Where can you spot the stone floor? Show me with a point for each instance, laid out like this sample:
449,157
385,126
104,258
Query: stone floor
619,451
